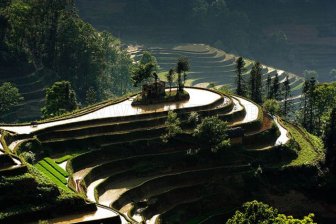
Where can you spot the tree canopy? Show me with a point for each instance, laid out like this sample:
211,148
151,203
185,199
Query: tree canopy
60,98
9,97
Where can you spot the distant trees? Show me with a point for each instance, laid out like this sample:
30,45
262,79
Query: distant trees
142,73
9,97
240,83
212,133
256,83
255,212
268,87
60,98
182,68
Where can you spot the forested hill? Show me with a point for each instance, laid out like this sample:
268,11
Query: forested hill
45,41
293,35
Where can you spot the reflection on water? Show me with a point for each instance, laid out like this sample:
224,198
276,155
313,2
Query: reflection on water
160,107
198,97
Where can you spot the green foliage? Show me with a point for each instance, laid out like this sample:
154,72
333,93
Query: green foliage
63,159
56,167
142,73
9,97
259,213
170,78
29,157
50,172
60,98
182,67
256,83
272,106
194,118
212,133
240,82
173,126
51,34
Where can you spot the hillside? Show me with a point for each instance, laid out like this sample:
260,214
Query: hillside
296,36
120,161
210,65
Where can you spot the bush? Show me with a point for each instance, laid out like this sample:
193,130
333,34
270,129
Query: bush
194,119
173,126
272,106
29,157
212,133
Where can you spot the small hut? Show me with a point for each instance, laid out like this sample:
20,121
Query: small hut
154,90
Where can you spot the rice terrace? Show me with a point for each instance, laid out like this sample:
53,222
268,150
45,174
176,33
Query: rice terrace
176,121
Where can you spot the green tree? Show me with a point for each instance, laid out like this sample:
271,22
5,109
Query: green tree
287,94
272,106
91,96
256,83
9,97
182,68
255,212
142,73
60,98
173,126
212,133
268,86
240,83
330,141
170,78
148,58
275,89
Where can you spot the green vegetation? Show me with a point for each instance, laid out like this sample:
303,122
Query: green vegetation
272,106
63,159
257,212
48,170
212,133
60,98
173,126
9,97
173,96
311,147
56,167
51,35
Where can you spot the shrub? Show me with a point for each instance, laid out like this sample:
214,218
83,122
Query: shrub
212,133
173,126
29,157
194,119
272,106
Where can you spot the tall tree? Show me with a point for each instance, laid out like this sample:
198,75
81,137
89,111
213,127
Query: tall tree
268,86
330,140
256,83
9,97
287,94
142,73
170,78
275,89
181,69
60,98
240,69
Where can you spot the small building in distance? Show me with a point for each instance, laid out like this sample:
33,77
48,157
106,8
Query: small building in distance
154,90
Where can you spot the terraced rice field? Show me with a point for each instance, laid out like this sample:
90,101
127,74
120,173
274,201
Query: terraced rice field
210,65
124,165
